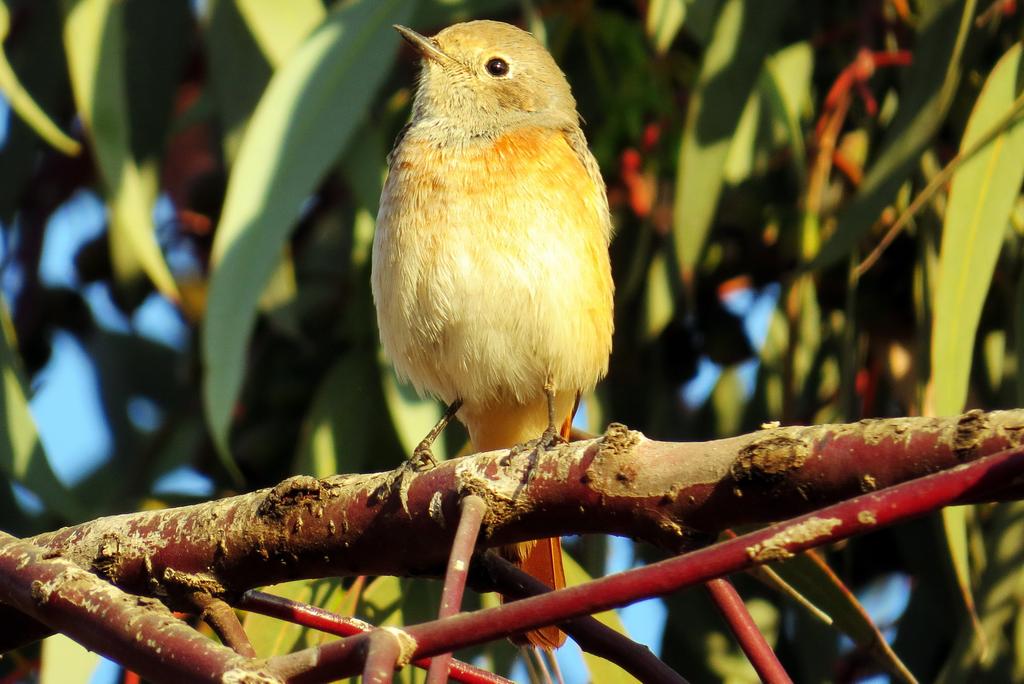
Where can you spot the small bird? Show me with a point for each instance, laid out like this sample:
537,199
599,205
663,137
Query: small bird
490,271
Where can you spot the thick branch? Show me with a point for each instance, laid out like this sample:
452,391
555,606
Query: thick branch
971,482
402,523
139,633
669,494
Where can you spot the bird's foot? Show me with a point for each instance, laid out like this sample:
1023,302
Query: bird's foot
422,458
548,439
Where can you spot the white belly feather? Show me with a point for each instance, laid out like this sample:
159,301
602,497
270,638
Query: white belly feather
481,295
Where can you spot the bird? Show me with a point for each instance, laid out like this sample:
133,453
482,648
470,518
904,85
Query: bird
490,270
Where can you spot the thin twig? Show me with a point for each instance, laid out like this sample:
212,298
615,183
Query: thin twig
535,672
874,644
591,636
940,179
473,510
749,637
224,622
340,625
556,669
537,656
995,9
381,657
769,577
774,580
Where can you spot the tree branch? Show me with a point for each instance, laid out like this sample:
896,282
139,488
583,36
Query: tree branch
976,481
672,495
749,637
332,623
139,633
473,510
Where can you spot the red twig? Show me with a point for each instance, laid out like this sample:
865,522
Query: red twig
332,623
382,657
971,482
303,614
591,636
998,8
749,637
473,510
849,168
855,77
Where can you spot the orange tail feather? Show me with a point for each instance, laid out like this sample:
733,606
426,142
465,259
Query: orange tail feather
543,560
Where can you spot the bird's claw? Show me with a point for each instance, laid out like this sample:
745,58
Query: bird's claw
422,458
548,439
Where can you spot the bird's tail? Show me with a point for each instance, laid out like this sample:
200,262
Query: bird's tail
543,560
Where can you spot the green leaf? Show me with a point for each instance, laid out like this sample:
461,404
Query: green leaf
786,84
129,367
441,13
64,661
301,125
348,428
239,71
806,336
600,669
981,199
272,636
728,401
21,455
954,524
22,103
381,602
743,34
1018,335
930,83
979,652
280,27
930,610
94,39
664,19
659,301
811,577
739,161
413,416
994,355
155,54
39,32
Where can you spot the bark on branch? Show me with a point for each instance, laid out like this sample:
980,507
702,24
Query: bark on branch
674,495
402,523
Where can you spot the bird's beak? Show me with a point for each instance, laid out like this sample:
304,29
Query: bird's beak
425,46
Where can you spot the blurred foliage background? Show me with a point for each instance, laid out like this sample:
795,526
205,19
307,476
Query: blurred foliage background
818,218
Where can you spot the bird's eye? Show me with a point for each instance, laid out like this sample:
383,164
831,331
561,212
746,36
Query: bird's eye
496,67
